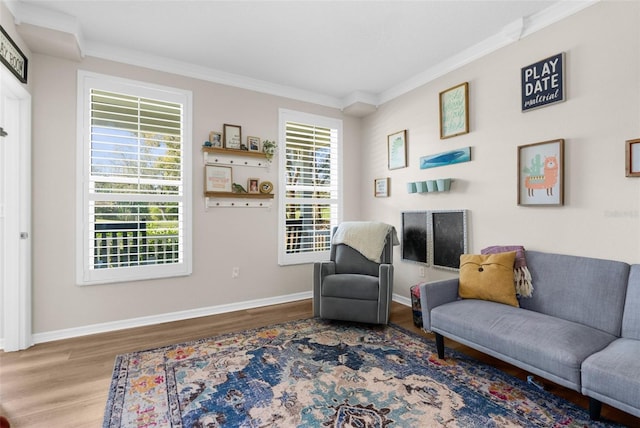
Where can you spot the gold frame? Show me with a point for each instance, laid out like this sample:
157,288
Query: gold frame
449,111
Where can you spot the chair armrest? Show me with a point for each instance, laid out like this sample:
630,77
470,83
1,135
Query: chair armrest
320,271
433,294
385,292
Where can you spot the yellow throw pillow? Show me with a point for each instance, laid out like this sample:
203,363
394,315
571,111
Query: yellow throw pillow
488,277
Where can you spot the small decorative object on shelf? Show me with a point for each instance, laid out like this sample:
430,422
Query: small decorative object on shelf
269,148
237,188
266,187
252,185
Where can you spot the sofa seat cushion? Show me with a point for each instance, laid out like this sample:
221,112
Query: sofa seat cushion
614,373
351,286
554,346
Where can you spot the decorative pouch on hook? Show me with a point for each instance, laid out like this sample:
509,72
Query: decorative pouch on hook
488,277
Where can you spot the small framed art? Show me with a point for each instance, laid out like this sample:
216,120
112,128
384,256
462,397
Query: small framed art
253,143
454,111
397,149
217,178
381,187
252,185
632,166
215,138
232,136
541,174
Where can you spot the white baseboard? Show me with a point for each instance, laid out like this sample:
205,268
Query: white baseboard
176,316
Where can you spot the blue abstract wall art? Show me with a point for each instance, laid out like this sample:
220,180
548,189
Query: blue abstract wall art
446,158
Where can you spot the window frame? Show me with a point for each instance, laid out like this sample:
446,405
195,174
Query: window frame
285,116
85,275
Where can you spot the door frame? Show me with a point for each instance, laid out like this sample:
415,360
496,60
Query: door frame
15,279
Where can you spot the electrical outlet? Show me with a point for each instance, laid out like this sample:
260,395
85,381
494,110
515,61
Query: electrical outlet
421,272
235,272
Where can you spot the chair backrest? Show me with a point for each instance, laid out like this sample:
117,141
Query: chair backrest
348,260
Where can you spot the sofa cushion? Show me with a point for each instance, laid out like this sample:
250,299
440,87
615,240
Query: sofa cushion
631,317
488,277
580,289
614,374
351,286
529,339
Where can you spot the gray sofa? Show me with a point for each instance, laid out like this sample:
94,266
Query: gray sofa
581,328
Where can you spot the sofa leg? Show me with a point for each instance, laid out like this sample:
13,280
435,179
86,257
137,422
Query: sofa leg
594,409
440,345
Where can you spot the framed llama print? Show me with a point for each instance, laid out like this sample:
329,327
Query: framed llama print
541,174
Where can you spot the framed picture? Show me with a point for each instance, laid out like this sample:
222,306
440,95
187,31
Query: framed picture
381,187
454,111
397,149
215,138
217,178
447,232
253,143
632,166
541,174
543,83
252,185
414,236
232,136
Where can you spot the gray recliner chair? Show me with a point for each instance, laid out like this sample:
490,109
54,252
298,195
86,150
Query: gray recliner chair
351,287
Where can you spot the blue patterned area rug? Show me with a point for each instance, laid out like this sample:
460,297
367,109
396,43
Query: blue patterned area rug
314,373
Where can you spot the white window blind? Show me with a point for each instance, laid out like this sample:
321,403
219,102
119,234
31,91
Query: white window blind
310,204
135,195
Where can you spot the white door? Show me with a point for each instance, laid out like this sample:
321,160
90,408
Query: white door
15,217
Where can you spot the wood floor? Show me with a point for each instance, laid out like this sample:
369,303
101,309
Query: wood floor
64,384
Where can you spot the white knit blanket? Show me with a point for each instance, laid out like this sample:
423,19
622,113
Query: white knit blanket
367,237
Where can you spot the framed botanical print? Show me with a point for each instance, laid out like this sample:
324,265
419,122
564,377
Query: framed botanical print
454,111
397,149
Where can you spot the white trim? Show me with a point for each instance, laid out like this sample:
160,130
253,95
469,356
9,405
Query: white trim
86,81
15,214
179,316
168,317
284,116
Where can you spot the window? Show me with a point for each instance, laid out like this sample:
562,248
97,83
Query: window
310,203
134,190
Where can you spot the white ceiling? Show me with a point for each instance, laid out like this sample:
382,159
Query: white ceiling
336,53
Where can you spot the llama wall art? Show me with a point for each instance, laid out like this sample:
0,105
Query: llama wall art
540,175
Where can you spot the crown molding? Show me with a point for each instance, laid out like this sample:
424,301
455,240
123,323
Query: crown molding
187,69
511,33
362,102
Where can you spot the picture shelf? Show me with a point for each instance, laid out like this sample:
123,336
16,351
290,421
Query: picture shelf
239,195
235,158
214,155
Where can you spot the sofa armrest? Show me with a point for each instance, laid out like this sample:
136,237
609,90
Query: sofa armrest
320,271
434,294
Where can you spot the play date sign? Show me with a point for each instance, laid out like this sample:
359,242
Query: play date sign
543,83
